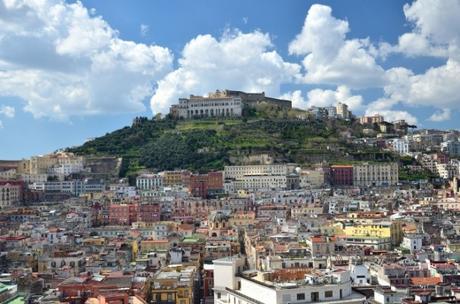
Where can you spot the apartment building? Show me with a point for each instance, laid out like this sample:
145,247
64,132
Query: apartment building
375,174
451,147
238,172
296,285
371,119
149,181
11,193
260,182
377,234
400,145
123,214
342,175
446,171
342,111
174,284
63,161
176,177
205,185
72,187
311,178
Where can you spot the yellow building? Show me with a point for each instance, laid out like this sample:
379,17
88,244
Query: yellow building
174,178
390,230
135,250
174,284
154,245
94,241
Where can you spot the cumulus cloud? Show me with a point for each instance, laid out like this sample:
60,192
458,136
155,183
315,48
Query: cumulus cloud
7,111
297,99
324,98
441,115
330,58
435,32
437,23
384,107
79,65
243,61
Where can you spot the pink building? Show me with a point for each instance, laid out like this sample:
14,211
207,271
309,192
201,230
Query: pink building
123,214
149,213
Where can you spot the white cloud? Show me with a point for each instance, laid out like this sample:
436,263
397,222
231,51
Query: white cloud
7,111
297,99
79,65
144,29
441,115
435,32
437,87
242,61
330,58
384,107
324,98
437,22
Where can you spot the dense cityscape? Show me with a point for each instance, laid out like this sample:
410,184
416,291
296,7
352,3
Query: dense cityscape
229,152
258,231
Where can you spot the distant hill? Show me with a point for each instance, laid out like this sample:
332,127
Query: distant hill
210,144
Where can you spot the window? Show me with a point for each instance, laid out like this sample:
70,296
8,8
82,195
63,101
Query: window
328,294
300,296
315,296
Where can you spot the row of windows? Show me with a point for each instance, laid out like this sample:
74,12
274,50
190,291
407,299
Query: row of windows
194,105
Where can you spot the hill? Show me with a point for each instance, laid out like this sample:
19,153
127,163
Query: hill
210,144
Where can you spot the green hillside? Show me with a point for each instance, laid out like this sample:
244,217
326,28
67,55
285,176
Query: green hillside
209,144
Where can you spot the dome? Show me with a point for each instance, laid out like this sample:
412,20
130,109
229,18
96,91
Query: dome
217,216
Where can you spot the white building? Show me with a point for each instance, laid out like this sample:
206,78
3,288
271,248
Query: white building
33,178
451,147
413,242
385,295
401,146
375,174
149,181
232,285
260,182
359,273
213,106
72,187
238,172
342,111
66,168
311,178
446,171
331,112
8,174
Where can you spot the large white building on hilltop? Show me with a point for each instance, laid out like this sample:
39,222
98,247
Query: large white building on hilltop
212,106
226,103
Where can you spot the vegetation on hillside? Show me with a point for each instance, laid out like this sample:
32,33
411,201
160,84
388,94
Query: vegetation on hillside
210,144
408,174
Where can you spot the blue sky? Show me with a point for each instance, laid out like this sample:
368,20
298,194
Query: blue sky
70,71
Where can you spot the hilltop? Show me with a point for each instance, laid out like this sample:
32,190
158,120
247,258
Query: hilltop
210,144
